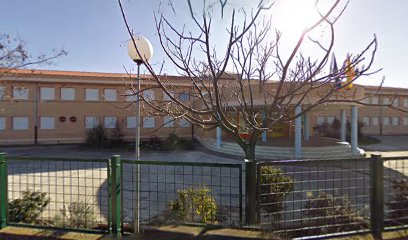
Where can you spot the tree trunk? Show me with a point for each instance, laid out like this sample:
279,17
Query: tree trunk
251,184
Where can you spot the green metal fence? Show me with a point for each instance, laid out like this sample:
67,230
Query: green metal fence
58,192
296,198
326,198
98,194
167,190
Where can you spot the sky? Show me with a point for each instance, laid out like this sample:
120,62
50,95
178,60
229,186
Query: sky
94,35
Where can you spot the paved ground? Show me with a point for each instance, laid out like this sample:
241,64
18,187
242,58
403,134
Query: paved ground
389,143
75,152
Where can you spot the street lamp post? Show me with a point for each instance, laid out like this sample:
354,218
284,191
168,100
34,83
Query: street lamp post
140,50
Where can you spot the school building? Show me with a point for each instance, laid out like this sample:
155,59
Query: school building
45,107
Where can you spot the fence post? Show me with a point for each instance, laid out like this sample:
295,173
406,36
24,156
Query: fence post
115,180
250,192
377,196
3,190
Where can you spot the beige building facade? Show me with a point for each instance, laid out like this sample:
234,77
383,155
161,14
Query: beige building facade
60,107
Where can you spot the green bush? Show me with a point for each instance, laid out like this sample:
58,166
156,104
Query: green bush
116,134
194,205
155,143
76,215
333,214
96,136
398,203
275,186
174,142
28,208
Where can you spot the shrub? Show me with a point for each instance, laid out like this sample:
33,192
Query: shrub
275,186
76,215
174,142
116,134
194,205
155,143
398,204
333,214
96,136
28,208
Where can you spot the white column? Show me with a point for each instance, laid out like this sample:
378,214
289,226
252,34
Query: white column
306,126
343,125
298,133
264,132
354,129
219,138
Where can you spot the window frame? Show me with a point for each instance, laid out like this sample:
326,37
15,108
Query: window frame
47,93
95,123
110,124
3,123
18,90
21,118
64,91
152,122
168,122
88,96
108,97
47,118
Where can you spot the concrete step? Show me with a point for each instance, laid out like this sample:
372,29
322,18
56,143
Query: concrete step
339,151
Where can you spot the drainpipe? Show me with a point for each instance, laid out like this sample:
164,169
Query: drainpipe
36,114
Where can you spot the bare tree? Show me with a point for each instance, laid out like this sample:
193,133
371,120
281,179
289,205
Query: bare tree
14,55
262,80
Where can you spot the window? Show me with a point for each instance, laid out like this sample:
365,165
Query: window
131,122
91,122
109,94
2,92
405,102
110,122
130,96
386,121
47,93
91,94
395,103
320,120
366,121
374,100
67,94
405,122
184,97
2,123
374,121
395,121
20,123
47,122
386,100
166,97
148,95
365,100
148,122
168,122
20,93
184,123
330,120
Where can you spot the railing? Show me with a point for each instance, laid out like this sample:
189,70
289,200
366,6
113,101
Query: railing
166,185
98,194
324,198
298,198
58,192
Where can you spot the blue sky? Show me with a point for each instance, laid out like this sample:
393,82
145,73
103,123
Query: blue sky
94,35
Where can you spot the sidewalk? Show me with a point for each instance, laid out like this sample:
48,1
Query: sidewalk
169,232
